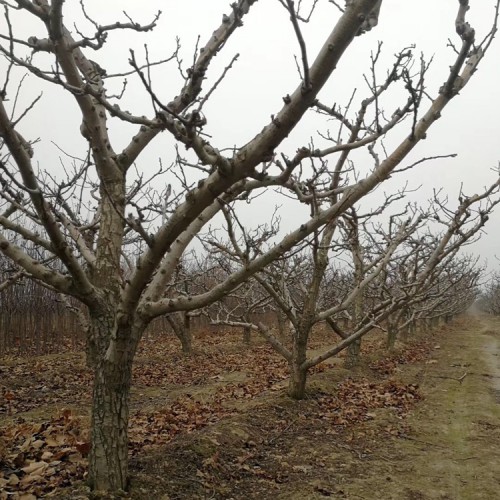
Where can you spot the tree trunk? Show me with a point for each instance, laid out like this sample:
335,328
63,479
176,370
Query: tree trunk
352,355
108,460
247,335
186,342
182,330
281,325
297,384
298,374
392,333
357,250
187,348
412,328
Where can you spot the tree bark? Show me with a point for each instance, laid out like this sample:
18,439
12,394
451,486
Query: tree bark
108,460
352,355
298,374
247,335
115,337
297,384
182,330
393,322
357,251
281,325
186,342
392,332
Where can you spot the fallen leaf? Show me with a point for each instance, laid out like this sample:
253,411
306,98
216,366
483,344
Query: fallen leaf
35,467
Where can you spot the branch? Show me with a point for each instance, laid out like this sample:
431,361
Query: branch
61,248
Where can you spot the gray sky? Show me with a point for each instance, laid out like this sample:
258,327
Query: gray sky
266,71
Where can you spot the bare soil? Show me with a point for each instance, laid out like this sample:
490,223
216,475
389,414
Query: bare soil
423,423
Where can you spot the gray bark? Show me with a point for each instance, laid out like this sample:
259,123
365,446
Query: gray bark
181,326
352,355
108,459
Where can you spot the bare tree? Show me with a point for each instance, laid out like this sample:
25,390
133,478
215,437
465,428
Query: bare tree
434,281
452,289
94,267
489,299
371,296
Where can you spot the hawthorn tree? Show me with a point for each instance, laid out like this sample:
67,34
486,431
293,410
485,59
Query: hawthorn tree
375,294
90,223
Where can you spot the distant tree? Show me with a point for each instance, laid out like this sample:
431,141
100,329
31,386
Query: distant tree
489,300
92,222
436,283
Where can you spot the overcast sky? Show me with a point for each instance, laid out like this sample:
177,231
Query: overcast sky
266,71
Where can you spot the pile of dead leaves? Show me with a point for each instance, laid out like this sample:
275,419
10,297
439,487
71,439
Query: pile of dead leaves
42,457
355,401
56,380
257,361
412,354
184,415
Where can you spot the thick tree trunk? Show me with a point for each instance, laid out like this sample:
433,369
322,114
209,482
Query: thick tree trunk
297,384
182,330
412,328
352,354
186,342
298,374
108,461
392,332
247,335
281,325
115,348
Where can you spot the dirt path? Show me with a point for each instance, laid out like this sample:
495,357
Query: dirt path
452,450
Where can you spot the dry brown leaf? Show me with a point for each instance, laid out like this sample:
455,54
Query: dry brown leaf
56,440
38,444
13,480
35,467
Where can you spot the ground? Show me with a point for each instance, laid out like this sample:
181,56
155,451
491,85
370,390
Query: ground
421,423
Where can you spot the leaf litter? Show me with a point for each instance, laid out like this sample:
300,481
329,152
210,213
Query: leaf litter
44,453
